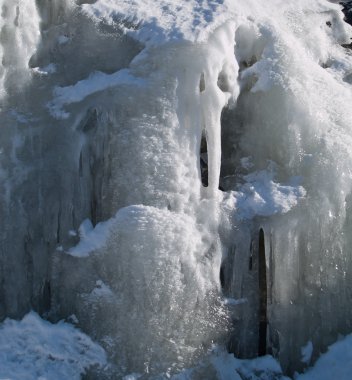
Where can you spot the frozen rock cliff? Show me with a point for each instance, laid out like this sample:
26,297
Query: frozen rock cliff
178,175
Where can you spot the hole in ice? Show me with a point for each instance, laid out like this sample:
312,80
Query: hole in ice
263,322
94,204
348,78
203,160
324,65
46,296
202,83
80,2
90,121
223,82
248,63
222,276
203,157
80,164
347,46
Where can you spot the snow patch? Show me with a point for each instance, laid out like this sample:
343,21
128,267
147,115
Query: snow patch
46,70
221,365
91,238
156,22
96,82
34,349
261,195
336,363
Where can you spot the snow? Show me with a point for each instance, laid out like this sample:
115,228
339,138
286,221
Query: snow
221,365
155,23
96,82
261,195
91,238
33,349
46,70
336,363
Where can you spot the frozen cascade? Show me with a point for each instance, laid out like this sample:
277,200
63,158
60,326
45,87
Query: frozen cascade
104,106
174,260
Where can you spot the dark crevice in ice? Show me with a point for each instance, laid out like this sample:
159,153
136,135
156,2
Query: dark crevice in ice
202,83
347,10
263,319
204,161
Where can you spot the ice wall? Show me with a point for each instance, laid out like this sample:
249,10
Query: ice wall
89,137
105,109
290,149
47,165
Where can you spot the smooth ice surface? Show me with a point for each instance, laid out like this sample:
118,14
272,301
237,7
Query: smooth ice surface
35,349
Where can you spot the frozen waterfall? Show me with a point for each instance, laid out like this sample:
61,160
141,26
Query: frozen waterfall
176,177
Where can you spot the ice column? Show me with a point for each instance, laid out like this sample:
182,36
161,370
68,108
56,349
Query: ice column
220,85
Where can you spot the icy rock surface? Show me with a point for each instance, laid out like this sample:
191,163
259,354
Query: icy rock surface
105,108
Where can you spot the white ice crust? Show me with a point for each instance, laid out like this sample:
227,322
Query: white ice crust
34,349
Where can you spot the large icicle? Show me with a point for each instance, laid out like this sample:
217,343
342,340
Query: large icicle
220,85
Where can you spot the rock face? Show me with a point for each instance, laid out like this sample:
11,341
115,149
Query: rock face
180,174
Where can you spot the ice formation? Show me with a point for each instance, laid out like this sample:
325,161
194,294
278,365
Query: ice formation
178,175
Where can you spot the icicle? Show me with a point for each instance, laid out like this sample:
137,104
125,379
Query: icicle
219,86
